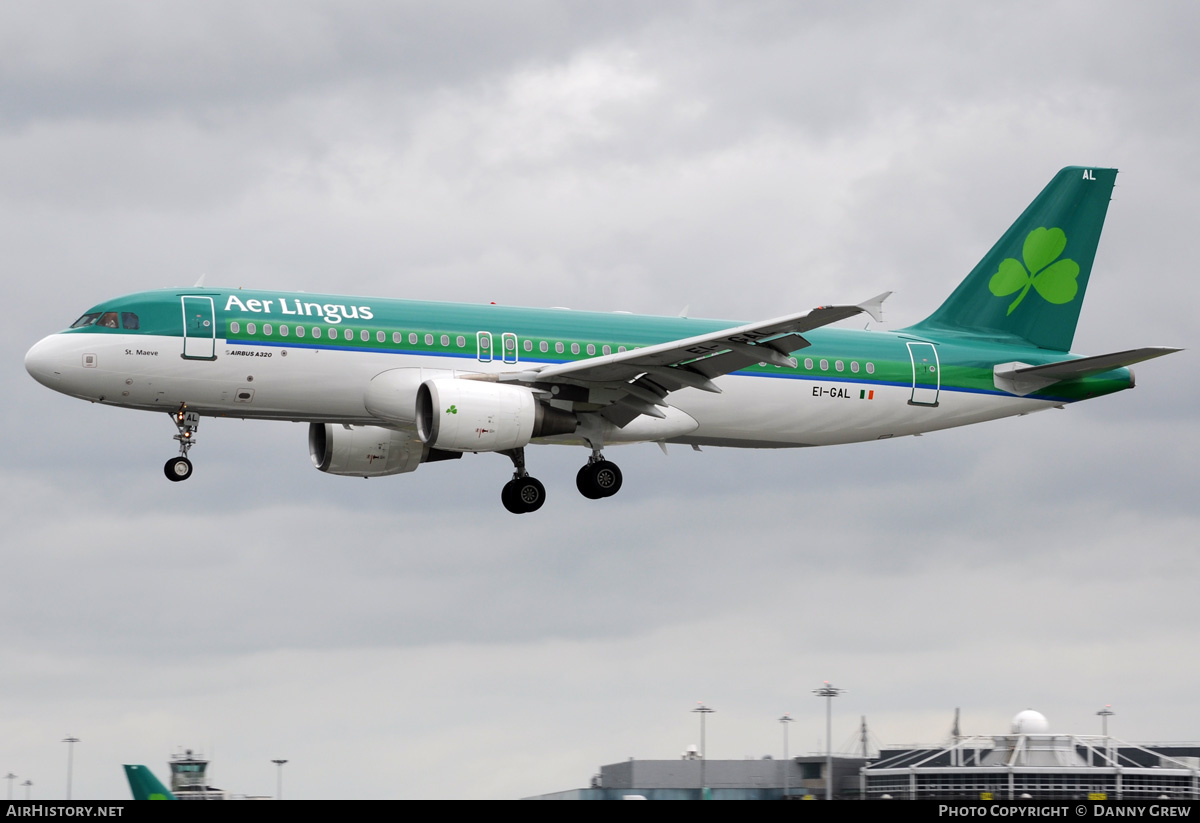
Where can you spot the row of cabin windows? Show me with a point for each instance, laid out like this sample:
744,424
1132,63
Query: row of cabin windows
413,338
484,342
838,365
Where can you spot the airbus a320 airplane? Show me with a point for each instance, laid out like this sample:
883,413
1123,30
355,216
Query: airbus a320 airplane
386,385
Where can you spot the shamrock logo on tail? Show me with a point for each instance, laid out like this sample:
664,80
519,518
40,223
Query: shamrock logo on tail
452,410
1055,281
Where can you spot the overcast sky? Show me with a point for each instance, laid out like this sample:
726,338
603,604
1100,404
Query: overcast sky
406,637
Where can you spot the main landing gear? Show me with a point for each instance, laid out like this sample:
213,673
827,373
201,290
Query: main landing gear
523,493
180,468
599,478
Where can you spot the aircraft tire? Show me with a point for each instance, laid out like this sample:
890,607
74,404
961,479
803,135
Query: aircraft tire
585,481
607,477
529,493
599,479
178,468
509,498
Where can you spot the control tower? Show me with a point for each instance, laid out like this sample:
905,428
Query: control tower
189,778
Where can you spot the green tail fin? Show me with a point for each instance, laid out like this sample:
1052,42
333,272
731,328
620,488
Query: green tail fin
145,786
1031,284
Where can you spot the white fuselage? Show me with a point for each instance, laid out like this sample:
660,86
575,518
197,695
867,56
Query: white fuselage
325,385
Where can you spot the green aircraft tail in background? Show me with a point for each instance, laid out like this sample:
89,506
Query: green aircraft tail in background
1032,282
145,786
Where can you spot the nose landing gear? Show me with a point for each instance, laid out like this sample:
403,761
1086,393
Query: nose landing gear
180,468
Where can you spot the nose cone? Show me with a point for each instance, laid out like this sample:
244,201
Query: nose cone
44,363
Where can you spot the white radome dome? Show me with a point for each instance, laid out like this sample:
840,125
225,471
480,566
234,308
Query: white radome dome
1030,722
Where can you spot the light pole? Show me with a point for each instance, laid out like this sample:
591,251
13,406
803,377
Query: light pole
10,777
1105,713
702,710
28,784
279,779
828,692
784,721
70,741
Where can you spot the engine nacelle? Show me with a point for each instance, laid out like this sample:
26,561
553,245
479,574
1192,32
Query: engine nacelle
363,451
477,415
391,396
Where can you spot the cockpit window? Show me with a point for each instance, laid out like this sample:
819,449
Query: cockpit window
108,320
129,320
86,320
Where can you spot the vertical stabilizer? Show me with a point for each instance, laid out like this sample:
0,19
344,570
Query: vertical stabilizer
1032,282
145,786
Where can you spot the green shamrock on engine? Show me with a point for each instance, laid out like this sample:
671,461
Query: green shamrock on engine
1054,281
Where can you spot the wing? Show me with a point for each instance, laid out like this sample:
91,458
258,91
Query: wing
624,385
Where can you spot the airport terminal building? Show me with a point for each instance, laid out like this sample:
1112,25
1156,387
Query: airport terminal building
1027,763
1031,763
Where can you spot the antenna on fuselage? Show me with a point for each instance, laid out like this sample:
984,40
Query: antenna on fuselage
200,283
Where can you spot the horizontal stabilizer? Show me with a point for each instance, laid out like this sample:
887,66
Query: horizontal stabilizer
1022,379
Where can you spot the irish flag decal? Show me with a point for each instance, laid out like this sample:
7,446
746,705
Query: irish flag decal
863,394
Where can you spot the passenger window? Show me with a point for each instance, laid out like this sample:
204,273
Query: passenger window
234,327
574,348
299,331
429,340
283,331
808,363
558,347
380,337
528,344
267,329
839,365
129,320
620,349
445,341
348,334
854,366
543,347
824,365
607,350
397,337
364,336
591,350
870,368
250,328
412,338
461,341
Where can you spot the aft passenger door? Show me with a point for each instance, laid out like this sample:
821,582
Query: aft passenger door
927,374
199,329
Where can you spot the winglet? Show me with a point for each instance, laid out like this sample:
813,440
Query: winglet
874,306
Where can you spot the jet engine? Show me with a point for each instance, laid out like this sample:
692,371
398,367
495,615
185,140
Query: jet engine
476,415
363,451
391,396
